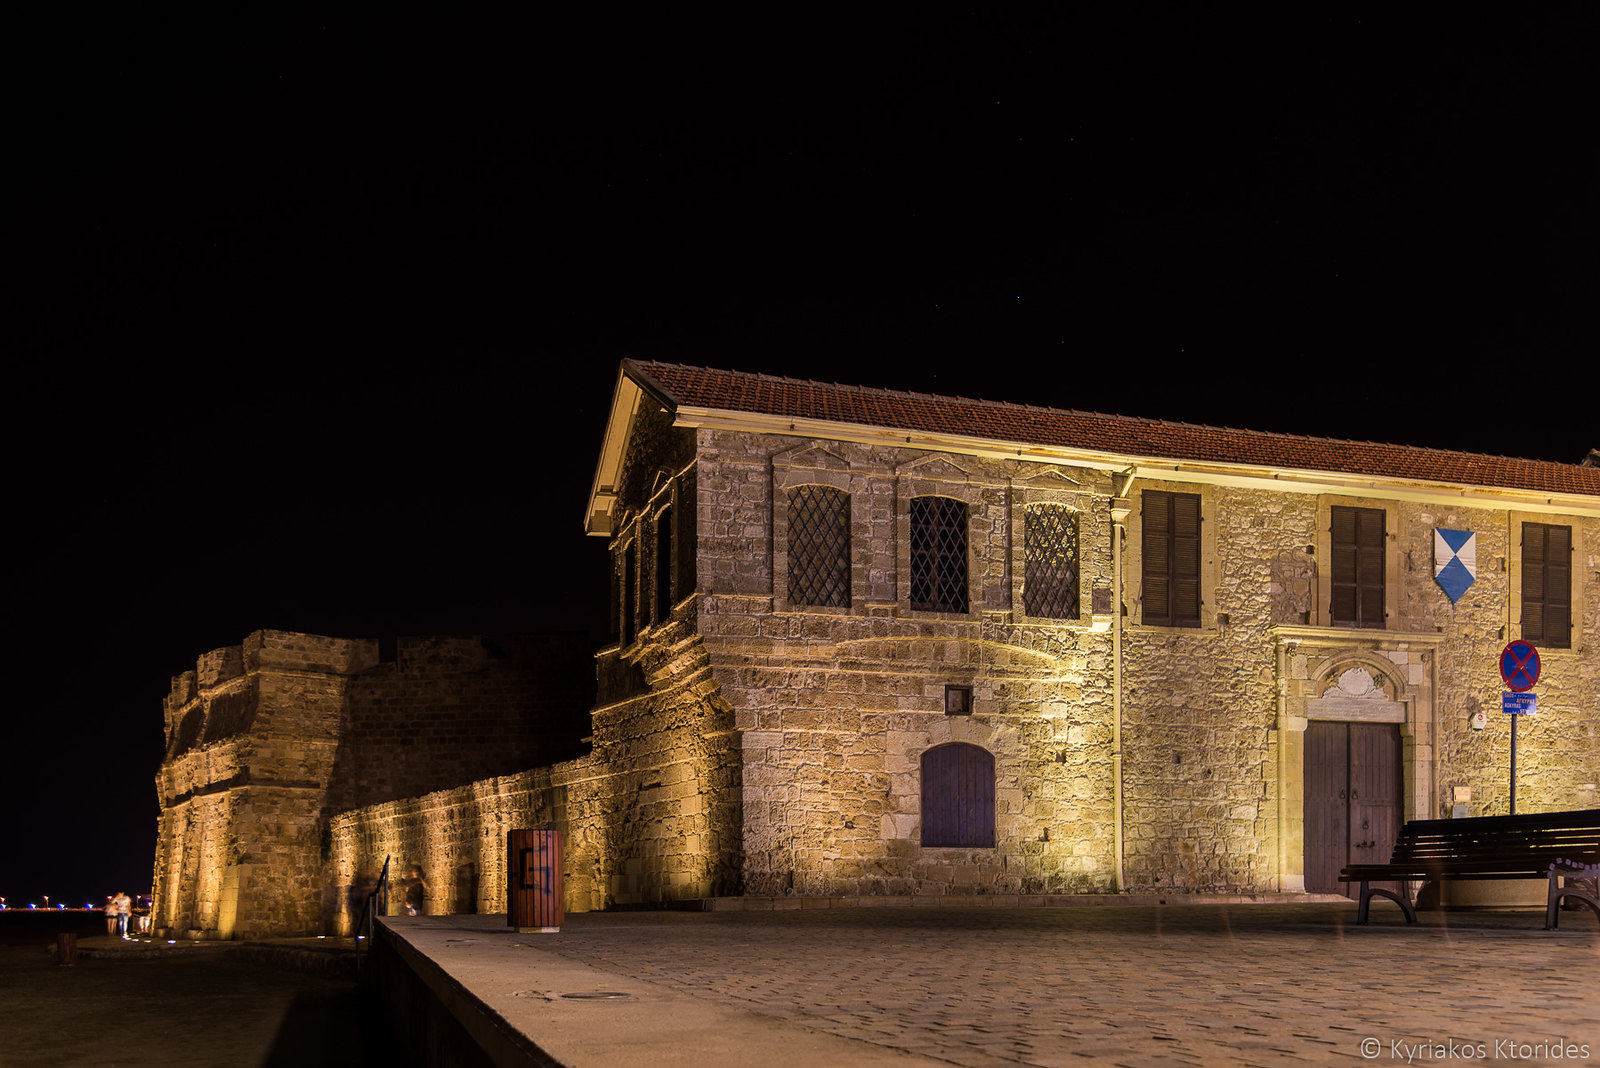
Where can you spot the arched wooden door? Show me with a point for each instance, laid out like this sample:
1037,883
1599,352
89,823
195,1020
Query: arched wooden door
1354,785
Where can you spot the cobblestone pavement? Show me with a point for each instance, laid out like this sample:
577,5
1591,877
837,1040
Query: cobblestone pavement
1181,985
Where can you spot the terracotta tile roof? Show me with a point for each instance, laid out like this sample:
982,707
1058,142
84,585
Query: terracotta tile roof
734,391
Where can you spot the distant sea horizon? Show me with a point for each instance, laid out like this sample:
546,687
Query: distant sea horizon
24,927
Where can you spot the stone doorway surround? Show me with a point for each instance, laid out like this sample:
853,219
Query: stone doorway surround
1354,676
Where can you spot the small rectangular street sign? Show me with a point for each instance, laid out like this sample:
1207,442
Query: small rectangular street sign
1519,704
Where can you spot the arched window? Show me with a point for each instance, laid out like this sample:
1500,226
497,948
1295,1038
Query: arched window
819,546
958,796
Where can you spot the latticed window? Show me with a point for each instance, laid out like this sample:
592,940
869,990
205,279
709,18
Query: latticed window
819,546
938,554
1050,562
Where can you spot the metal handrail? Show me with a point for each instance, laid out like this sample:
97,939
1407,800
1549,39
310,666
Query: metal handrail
376,903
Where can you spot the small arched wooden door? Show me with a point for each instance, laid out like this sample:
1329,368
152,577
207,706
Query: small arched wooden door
958,796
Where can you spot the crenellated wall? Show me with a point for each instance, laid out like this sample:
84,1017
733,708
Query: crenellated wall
268,739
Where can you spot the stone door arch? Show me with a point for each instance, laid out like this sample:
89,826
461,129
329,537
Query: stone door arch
1373,694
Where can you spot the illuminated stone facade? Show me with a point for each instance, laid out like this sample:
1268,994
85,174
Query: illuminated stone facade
784,701
268,739
1128,753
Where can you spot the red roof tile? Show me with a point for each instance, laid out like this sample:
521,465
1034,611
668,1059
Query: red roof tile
700,387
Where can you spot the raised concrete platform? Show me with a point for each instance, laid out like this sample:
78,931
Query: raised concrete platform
1274,983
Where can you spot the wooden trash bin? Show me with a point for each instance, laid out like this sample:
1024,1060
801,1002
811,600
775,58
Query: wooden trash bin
534,884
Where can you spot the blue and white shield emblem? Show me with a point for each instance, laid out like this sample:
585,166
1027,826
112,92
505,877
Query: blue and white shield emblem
1455,561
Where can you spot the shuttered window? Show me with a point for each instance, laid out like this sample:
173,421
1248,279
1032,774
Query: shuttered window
630,595
664,562
1547,585
819,546
684,547
1357,570
1050,562
1170,554
938,554
958,796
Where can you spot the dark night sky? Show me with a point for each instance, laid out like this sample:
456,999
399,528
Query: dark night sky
319,320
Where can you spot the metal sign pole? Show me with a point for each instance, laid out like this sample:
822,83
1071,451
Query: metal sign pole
1514,764
1519,668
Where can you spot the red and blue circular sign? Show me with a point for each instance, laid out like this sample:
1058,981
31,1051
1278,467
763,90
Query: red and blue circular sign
1519,666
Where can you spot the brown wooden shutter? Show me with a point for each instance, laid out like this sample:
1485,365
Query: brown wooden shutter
1558,588
958,796
1185,560
1358,566
1370,565
1342,609
1170,558
1155,552
1547,585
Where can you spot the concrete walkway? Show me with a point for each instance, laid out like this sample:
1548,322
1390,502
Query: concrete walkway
1181,984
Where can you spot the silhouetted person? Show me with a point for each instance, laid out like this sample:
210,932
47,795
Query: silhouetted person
124,905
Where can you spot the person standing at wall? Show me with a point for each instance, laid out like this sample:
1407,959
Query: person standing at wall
124,905
111,915
416,891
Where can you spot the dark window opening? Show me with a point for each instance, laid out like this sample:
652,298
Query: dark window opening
663,565
819,547
958,796
938,554
1170,555
1357,569
686,541
630,569
1050,562
1547,585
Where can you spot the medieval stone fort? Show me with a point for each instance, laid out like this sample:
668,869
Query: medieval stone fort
882,644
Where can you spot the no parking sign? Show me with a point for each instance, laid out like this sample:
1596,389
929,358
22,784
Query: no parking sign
1519,666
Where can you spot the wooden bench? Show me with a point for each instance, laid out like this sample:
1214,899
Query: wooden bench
1560,847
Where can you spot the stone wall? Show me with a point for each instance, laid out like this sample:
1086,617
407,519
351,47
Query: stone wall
267,739
835,706
449,710
651,816
741,744
251,740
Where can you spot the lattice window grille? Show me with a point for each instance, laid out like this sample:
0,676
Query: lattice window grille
938,554
819,547
1050,562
